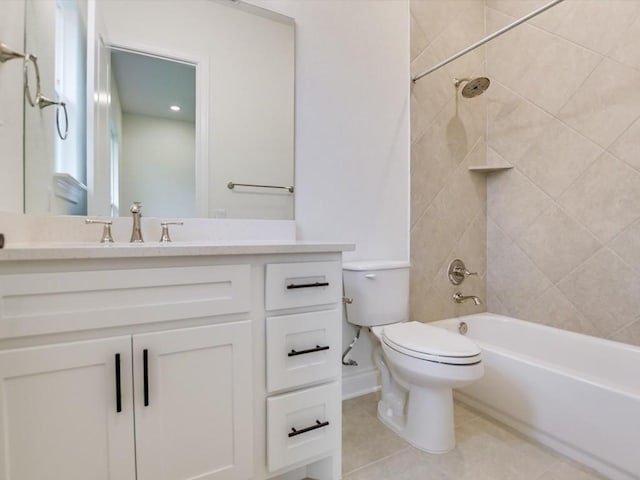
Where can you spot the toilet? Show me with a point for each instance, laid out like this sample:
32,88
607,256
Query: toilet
420,365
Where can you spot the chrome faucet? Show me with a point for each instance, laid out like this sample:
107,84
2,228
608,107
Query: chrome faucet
459,298
136,233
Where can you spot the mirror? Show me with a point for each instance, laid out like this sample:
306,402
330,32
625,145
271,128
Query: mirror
240,61
152,134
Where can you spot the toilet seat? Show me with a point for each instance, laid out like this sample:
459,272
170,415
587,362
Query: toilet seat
433,344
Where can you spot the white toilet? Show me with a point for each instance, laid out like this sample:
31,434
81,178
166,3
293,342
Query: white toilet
419,364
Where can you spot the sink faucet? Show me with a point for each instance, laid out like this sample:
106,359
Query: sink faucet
459,298
136,233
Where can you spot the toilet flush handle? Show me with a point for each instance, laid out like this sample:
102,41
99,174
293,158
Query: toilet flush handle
370,275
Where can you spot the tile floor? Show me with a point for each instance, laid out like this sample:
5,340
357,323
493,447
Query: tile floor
486,450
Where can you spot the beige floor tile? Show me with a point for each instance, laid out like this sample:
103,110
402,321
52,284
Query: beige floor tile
568,470
485,450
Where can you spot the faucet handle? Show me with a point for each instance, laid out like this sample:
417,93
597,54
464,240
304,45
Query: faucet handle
164,237
136,207
457,272
106,231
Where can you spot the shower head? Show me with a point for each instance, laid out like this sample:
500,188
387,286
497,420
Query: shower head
474,86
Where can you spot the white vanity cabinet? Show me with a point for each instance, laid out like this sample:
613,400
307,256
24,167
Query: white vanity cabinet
171,366
303,302
69,409
58,412
151,403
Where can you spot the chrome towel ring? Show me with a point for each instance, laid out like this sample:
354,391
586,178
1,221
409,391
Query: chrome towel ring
44,102
38,99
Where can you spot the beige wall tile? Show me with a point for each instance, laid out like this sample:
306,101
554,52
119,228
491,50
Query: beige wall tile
434,16
627,245
463,195
557,158
629,334
538,65
513,276
627,50
435,90
495,159
419,40
627,146
597,25
557,244
554,309
514,202
606,199
431,243
437,154
606,104
465,29
605,290
448,203
513,123
548,20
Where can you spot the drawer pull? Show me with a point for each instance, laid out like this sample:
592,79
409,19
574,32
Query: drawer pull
307,285
318,348
318,424
145,374
118,385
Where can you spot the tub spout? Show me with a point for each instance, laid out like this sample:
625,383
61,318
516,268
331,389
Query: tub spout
459,298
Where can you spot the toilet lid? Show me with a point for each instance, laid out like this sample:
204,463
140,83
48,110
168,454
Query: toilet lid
421,340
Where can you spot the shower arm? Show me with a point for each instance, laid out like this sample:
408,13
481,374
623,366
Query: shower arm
488,38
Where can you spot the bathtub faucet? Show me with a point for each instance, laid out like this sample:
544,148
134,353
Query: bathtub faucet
459,298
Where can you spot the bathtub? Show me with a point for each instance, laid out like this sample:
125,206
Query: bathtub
577,394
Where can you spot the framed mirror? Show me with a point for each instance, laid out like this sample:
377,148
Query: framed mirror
122,56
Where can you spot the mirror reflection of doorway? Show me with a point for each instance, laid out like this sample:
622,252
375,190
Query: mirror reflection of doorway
152,118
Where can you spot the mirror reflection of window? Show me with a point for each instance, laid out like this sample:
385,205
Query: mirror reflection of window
156,136
70,88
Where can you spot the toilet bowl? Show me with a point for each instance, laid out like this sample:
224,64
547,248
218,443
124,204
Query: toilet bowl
419,364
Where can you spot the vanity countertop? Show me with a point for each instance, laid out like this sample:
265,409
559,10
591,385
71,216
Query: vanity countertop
64,251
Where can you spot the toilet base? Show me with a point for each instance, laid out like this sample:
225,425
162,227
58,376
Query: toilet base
428,423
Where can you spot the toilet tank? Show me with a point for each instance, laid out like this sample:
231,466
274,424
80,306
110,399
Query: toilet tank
380,292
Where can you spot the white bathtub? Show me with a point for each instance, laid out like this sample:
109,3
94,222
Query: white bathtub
579,395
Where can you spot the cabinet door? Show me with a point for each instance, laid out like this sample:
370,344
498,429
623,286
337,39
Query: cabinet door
193,412
59,416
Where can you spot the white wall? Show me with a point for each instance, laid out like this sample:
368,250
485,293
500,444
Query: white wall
352,122
352,134
157,166
11,109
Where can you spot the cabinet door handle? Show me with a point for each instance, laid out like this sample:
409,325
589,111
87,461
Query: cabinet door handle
118,385
318,424
318,348
145,374
307,285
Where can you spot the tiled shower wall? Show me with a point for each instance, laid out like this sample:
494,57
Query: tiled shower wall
448,203
564,110
562,227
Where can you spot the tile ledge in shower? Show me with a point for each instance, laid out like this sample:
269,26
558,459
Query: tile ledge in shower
489,168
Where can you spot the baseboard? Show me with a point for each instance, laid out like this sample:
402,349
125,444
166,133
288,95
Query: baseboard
360,383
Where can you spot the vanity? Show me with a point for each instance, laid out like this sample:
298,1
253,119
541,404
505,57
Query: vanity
171,361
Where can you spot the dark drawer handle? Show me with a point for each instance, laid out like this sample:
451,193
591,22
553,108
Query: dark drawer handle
318,424
318,348
307,285
118,385
145,374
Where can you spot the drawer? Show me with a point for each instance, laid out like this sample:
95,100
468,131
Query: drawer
303,348
302,425
291,285
40,303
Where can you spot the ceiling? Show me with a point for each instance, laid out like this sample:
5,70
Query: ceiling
149,85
